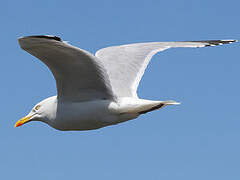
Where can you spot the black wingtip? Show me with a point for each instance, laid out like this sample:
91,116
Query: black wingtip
218,42
46,37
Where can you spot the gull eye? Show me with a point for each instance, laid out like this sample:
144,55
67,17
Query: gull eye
37,107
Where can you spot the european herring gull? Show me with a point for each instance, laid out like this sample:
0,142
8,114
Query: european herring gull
94,91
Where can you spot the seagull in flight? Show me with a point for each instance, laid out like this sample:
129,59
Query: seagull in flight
94,91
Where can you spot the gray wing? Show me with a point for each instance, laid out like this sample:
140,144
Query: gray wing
79,75
126,64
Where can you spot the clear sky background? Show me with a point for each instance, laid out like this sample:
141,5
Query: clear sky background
198,139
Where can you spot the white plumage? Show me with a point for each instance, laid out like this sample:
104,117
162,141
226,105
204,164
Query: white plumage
95,91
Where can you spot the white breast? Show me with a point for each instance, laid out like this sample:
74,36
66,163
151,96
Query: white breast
85,115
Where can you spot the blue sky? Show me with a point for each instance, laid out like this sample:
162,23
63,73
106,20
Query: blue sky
197,140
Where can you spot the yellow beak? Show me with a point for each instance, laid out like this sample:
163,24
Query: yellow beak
22,121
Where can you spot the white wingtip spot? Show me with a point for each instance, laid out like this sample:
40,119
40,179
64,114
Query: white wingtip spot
230,40
211,45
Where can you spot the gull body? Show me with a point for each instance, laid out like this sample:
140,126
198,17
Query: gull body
90,114
98,90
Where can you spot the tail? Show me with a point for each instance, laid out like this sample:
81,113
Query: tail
159,105
170,102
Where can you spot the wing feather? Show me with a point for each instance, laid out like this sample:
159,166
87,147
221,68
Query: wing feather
79,75
126,64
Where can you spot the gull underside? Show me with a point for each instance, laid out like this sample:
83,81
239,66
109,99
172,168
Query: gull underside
100,113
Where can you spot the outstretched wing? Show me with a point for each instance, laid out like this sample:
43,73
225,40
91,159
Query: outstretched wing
79,75
126,64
